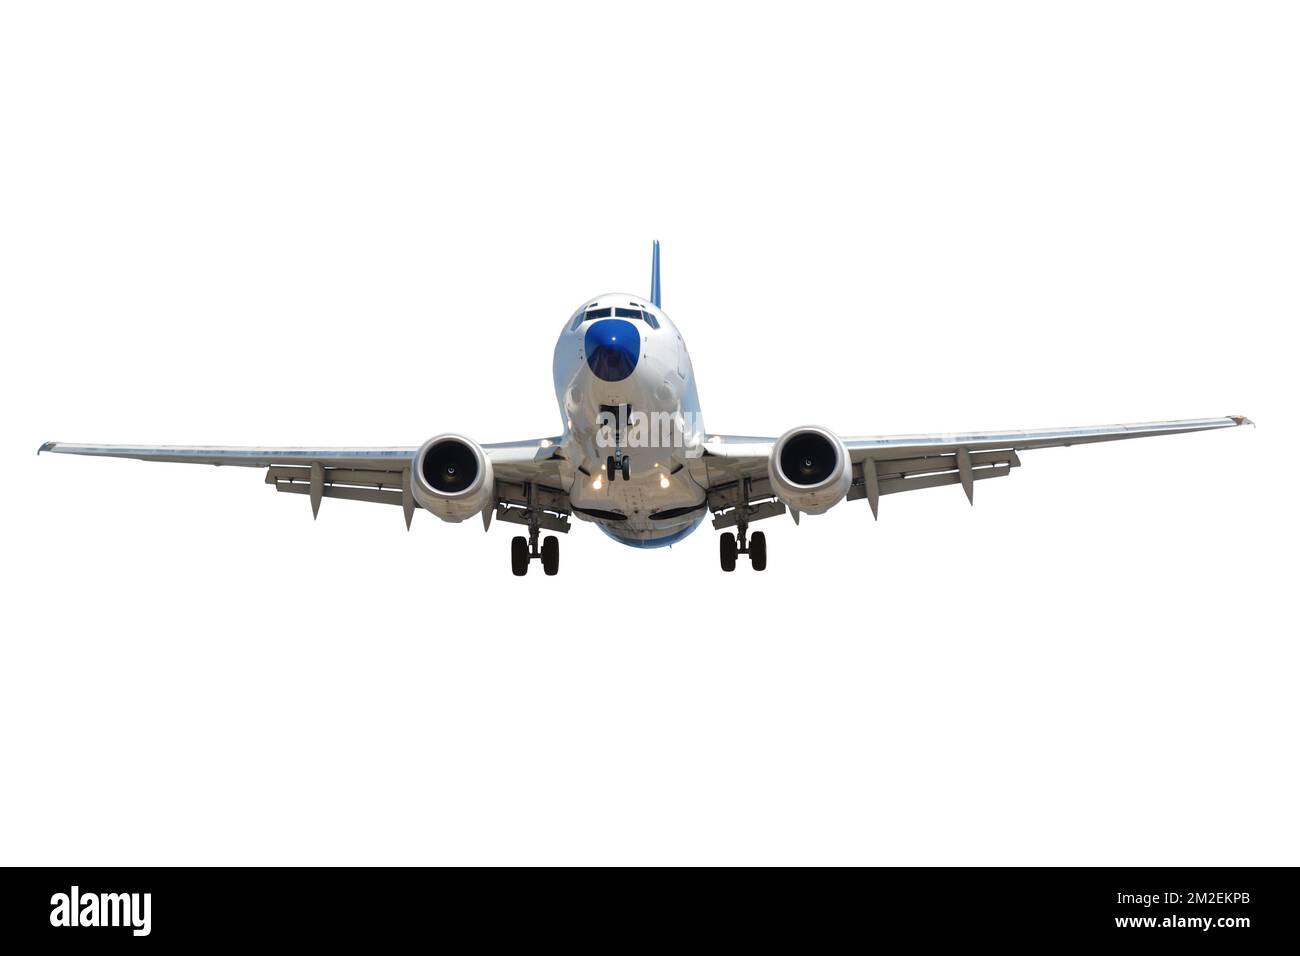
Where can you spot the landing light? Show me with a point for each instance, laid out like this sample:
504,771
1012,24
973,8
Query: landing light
596,484
663,481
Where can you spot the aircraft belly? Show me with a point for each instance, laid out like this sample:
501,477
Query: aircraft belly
638,500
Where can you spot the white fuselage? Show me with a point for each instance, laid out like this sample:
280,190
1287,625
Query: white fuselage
620,354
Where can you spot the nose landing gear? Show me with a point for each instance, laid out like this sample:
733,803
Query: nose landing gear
616,419
616,465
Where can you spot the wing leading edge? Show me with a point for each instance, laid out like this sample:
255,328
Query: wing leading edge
247,457
902,446
506,454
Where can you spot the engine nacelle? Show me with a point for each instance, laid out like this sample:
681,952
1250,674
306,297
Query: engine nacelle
810,469
452,477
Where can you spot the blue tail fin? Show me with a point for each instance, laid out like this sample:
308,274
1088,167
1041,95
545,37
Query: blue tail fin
654,278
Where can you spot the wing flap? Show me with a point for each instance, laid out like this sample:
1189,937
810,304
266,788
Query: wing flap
892,486
903,467
351,493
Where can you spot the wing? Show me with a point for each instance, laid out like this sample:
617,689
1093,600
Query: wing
360,474
887,464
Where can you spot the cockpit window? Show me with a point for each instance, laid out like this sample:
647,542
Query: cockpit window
637,314
588,314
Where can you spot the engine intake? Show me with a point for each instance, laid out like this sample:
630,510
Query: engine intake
810,469
452,477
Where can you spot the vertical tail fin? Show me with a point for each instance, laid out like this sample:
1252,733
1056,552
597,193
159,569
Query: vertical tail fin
654,278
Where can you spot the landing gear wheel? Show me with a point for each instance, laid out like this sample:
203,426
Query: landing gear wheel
609,468
758,550
626,469
727,551
551,554
519,556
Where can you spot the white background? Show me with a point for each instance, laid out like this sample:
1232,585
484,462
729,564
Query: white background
362,224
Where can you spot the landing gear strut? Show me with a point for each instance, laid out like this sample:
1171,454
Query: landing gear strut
730,545
617,463
523,550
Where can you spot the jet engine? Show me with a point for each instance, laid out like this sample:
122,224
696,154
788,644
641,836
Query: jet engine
452,477
810,469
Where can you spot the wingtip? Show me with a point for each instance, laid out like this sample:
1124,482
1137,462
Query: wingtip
1242,420
46,446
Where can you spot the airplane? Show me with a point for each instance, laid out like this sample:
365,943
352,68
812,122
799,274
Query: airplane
634,457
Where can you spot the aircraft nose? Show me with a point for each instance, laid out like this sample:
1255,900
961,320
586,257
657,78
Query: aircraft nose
612,347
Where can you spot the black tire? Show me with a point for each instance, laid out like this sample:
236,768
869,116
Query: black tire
626,469
758,551
609,469
551,554
727,551
519,556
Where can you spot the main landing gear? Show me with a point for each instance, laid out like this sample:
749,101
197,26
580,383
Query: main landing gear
730,545
756,548
523,550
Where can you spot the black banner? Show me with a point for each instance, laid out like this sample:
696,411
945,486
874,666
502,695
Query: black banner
1224,908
